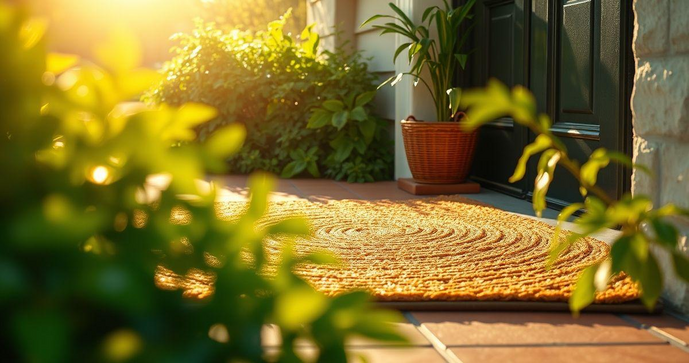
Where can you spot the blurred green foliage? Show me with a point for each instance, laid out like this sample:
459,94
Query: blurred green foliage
253,15
642,225
273,85
85,224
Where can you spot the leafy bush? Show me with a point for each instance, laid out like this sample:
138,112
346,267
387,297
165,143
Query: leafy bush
642,225
271,83
84,226
253,15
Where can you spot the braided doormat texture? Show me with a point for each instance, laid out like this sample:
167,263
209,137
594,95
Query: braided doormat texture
435,249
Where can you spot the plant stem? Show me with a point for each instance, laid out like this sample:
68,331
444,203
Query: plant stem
573,167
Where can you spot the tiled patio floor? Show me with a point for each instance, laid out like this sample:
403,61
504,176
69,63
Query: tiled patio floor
499,336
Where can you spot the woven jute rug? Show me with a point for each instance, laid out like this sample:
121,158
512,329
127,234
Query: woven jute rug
434,249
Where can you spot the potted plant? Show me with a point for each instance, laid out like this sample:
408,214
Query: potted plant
438,152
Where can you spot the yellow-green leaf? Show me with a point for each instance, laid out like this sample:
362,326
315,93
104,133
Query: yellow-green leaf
307,31
319,118
651,282
333,105
485,105
589,171
192,114
681,265
368,129
541,143
546,171
339,119
134,83
58,62
584,291
364,98
358,113
557,246
260,184
226,141
396,79
524,111
299,305
455,95
665,232
122,345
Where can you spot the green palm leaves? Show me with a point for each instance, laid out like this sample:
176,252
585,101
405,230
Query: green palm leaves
440,57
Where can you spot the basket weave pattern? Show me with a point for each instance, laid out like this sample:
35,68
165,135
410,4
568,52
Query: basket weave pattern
438,152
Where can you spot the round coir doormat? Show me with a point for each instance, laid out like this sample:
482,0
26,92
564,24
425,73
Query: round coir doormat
444,248
433,249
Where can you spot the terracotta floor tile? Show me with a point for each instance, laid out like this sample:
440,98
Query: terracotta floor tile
285,185
490,328
372,355
243,196
235,189
671,325
270,335
574,354
395,355
324,190
312,183
322,196
379,190
231,180
406,329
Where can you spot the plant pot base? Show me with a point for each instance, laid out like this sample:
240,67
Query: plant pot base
414,187
438,181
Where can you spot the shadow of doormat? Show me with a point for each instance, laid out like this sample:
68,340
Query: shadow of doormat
437,249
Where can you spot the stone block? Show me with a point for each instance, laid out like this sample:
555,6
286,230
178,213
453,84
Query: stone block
651,28
646,153
679,26
660,102
674,173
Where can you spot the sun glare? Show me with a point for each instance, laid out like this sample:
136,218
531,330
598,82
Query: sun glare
77,25
100,174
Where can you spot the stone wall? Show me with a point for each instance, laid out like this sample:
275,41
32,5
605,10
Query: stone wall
660,107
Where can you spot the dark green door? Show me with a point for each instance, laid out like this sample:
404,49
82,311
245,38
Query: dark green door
573,54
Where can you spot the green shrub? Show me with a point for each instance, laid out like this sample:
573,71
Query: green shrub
84,228
252,15
271,83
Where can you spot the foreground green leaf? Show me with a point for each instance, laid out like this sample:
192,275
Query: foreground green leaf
584,291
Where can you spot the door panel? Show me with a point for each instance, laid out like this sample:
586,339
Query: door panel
583,90
570,54
576,59
500,33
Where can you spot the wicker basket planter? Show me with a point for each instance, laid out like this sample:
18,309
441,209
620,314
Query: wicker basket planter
438,152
